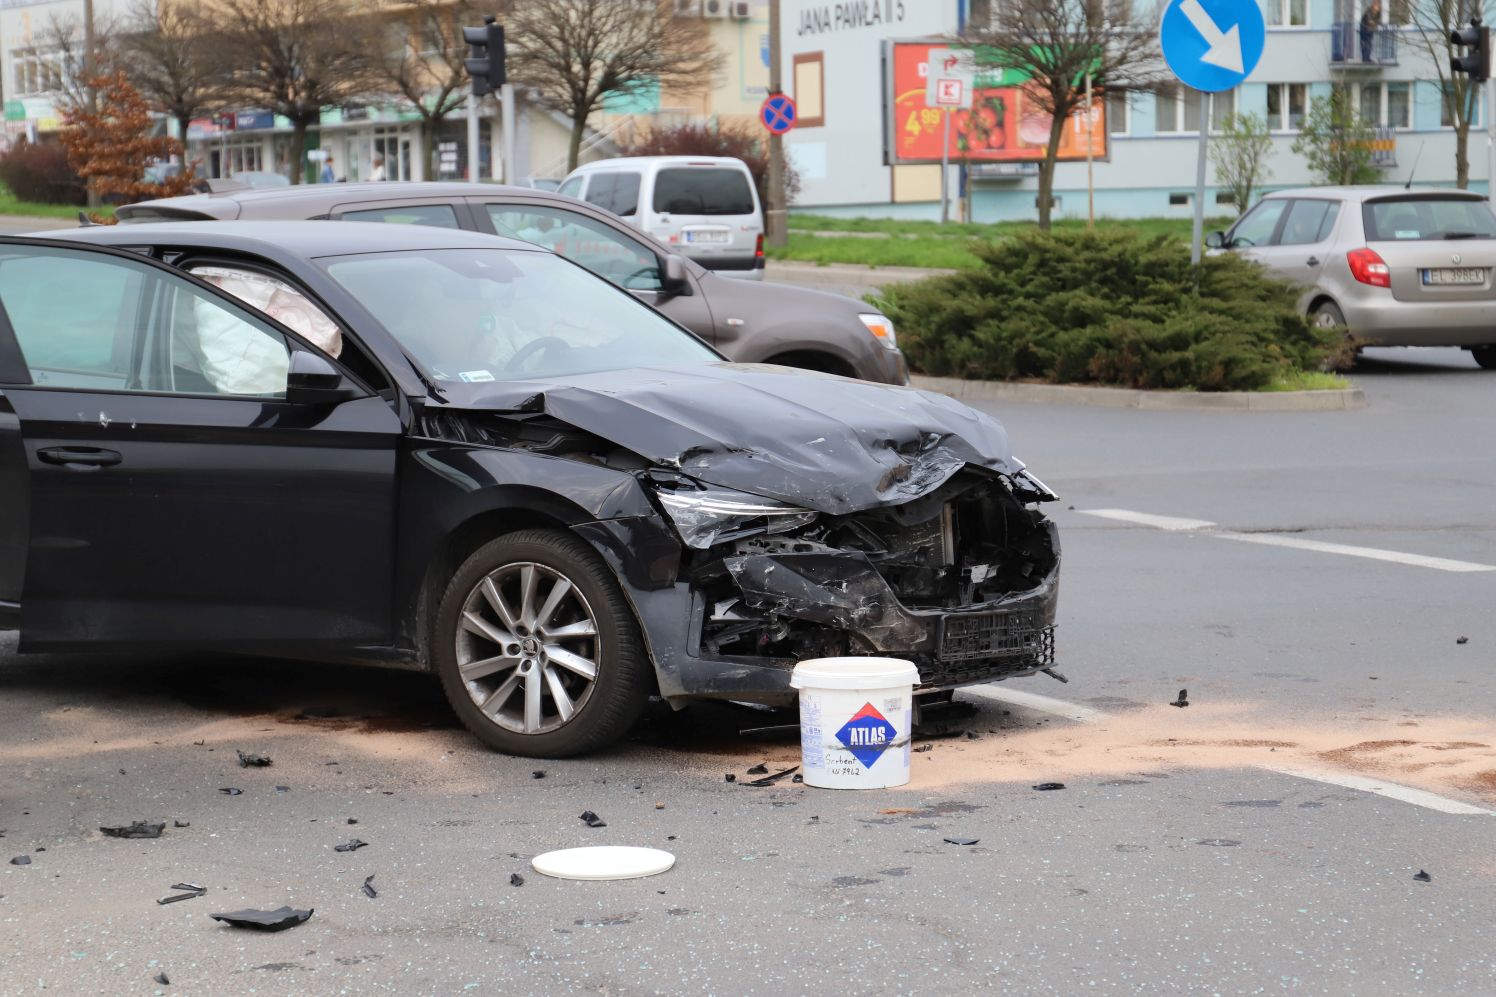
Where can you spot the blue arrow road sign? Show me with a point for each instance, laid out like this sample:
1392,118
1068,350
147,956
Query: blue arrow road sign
1212,45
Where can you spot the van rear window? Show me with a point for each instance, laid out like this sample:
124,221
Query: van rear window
703,191
615,192
1414,218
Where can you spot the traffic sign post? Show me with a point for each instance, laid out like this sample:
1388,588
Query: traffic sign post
1210,45
950,74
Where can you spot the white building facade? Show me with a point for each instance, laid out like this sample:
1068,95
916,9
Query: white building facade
833,61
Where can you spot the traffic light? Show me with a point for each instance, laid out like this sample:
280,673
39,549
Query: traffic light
485,61
1476,59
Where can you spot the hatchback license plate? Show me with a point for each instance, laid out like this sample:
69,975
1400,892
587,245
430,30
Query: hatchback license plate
1455,275
706,236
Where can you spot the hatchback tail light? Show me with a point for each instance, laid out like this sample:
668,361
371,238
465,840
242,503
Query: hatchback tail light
758,246
1369,268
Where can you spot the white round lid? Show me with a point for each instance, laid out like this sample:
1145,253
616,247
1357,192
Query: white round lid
600,862
853,673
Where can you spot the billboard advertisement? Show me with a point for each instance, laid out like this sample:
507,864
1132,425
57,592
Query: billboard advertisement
1002,125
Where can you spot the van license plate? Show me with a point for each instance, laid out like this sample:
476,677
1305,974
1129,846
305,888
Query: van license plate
706,236
1455,275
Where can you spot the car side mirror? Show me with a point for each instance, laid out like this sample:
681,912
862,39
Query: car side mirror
673,279
1216,240
312,380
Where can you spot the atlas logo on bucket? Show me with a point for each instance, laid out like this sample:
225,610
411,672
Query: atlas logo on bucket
866,735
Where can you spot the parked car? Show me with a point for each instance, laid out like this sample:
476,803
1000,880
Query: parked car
538,183
261,178
1390,265
705,207
468,455
769,323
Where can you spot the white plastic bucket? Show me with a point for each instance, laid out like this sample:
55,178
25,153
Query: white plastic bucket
856,716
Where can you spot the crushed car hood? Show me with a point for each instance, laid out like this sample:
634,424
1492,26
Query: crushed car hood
827,443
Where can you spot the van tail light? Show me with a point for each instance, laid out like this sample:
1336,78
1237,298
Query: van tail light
758,246
1369,268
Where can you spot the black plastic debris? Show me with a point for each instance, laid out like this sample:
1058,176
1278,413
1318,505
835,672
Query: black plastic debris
1183,699
538,774
282,789
759,769
1045,787
351,845
515,879
730,778
368,888
264,920
1462,640
798,778
669,837
254,761
138,829
193,891
770,780
1423,877
592,819
231,791
162,979
924,747
21,860
353,820
962,841
181,823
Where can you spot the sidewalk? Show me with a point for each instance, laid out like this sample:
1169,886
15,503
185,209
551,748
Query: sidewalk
850,279
22,224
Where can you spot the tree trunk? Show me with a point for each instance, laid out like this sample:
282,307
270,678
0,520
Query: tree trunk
298,150
182,122
1462,154
1046,170
428,146
574,150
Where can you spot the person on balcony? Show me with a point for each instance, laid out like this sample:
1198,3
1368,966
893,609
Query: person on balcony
1371,20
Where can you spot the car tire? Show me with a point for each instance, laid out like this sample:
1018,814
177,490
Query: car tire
515,666
1328,316
1485,356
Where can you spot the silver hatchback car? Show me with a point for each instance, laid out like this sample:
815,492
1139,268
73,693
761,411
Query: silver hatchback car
1393,266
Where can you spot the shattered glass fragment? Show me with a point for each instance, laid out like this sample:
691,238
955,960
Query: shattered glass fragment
351,845
962,841
924,747
515,879
265,920
1423,877
231,791
1045,787
538,774
181,823
21,860
592,819
138,829
1183,699
253,761
368,887
162,979
759,769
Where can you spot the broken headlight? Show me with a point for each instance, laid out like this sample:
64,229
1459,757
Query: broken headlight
707,516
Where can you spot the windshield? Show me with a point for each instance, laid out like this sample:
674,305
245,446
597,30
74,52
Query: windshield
1414,218
476,315
697,191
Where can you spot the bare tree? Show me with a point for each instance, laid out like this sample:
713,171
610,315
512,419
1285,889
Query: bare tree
1055,43
1240,155
1433,20
174,58
574,53
295,57
422,61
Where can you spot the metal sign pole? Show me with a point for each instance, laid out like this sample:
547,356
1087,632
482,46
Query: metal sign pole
506,102
1199,227
945,170
472,139
1090,157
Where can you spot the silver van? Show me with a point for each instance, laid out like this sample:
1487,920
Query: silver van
704,207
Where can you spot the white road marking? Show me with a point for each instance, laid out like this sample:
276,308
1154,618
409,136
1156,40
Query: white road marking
1391,790
1034,701
1371,553
1178,524
1087,715
1174,523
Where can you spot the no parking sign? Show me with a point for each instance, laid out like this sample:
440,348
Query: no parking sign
777,113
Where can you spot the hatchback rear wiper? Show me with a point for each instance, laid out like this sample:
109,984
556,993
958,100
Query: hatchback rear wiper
1462,235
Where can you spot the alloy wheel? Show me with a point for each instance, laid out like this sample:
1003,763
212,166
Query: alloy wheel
527,647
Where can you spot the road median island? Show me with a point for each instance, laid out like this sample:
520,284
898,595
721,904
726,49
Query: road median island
1332,400
1117,310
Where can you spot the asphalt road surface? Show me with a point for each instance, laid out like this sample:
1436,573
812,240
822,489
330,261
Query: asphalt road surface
1307,577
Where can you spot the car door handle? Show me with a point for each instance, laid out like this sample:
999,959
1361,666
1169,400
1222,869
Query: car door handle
1313,261
79,456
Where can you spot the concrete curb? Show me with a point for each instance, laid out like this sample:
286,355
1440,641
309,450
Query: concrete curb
1164,401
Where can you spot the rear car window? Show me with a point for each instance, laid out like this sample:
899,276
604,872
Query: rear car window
572,187
438,215
703,191
1411,219
615,192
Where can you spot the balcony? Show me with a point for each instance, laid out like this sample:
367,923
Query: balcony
1345,47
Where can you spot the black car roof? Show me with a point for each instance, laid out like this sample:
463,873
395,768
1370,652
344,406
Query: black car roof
299,238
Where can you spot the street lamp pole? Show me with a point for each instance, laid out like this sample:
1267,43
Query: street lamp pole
777,235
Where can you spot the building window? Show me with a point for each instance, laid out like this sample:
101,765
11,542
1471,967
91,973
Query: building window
1387,104
1288,13
1177,199
810,90
1117,110
1473,102
1178,110
1285,106
35,72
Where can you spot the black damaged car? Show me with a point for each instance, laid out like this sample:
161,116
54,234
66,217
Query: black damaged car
431,448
